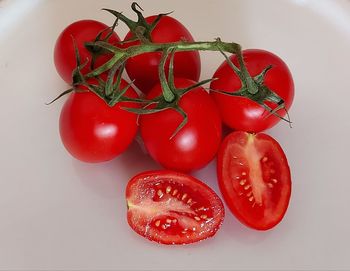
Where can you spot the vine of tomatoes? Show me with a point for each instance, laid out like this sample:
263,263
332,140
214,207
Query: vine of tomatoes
179,121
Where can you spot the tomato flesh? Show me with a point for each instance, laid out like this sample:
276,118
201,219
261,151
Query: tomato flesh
254,178
172,208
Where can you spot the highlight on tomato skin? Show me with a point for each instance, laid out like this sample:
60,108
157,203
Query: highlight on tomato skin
254,179
172,208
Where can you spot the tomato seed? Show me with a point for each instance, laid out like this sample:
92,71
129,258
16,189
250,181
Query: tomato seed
242,182
160,193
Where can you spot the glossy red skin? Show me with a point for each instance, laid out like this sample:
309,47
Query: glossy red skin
144,68
91,131
232,162
64,53
241,113
144,187
196,144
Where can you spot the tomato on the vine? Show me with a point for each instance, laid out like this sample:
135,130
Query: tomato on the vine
241,113
79,33
144,68
254,178
172,208
92,131
195,144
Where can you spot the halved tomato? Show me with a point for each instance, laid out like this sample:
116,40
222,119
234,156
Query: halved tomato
172,208
254,178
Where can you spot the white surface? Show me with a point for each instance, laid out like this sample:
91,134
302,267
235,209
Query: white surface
58,213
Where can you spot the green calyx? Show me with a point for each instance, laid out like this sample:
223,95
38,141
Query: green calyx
171,95
254,88
141,29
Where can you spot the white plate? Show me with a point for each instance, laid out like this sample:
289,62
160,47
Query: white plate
59,213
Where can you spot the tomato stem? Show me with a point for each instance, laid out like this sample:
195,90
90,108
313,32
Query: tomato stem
122,55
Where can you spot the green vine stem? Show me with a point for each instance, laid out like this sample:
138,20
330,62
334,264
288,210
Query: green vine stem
252,88
121,55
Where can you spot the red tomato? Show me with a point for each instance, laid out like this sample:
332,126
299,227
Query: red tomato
254,179
241,113
196,143
81,31
172,208
144,68
92,131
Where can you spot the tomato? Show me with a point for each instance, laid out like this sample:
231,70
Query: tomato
241,113
92,131
81,32
172,208
254,179
196,143
144,68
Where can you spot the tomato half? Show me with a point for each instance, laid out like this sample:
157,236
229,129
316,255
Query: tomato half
241,113
92,131
196,144
144,68
81,32
172,208
254,179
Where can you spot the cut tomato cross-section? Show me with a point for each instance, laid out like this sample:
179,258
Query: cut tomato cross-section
172,208
254,178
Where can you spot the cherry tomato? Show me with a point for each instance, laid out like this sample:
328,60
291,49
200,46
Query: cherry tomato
144,68
92,131
81,32
241,113
172,208
254,179
196,143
